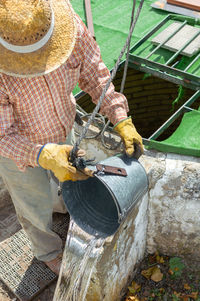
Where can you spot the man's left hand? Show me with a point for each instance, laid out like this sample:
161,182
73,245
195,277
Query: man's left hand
132,140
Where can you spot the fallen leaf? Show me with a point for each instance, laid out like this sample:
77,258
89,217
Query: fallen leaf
186,286
153,273
162,260
177,294
131,290
147,273
132,298
156,275
194,295
136,286
186,297
159,259
162,290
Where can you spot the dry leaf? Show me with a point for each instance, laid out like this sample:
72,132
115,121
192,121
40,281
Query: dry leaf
186,286
159,259
162,290
193,295
135,286
153,273
177,294
147,273
156,275
132,298
185,298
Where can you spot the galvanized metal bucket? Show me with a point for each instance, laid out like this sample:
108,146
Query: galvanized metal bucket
99,204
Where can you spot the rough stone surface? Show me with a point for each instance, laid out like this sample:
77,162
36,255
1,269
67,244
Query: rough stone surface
174,205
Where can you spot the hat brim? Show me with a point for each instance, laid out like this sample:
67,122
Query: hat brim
52,55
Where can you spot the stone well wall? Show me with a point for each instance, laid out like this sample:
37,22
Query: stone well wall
173,197
174,200
174,205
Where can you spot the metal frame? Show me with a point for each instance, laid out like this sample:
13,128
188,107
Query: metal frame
165,71
184,108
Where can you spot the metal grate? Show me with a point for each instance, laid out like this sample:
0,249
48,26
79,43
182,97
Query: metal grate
176,37
184,108
179,64
22,273
164,63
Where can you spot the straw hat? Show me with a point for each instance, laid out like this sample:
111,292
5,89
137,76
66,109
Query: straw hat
36,36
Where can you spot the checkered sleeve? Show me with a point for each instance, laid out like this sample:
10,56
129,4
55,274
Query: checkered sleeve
94,76
13,145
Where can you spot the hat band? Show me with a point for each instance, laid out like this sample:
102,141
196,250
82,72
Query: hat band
33,47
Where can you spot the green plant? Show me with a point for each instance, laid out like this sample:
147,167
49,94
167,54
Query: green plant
176,267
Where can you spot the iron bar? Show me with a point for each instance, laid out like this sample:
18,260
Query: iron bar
163,75
149,34
196,58
166,40
182,48
157,133
187,109
136,59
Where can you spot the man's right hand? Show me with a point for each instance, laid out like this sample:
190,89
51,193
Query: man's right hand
55,157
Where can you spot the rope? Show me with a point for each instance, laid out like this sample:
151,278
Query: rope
127,53
113,73
123,81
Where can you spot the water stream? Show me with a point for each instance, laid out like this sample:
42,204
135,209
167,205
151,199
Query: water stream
79,260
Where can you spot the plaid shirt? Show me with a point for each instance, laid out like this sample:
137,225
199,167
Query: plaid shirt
38,110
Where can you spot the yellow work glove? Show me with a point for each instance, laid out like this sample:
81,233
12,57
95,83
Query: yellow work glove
55,157
132,140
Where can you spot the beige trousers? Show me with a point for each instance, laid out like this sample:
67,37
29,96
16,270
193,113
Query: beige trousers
34,195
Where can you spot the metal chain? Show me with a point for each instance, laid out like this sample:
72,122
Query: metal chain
113,73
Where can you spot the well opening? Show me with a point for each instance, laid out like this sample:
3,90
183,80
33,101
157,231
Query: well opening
150,101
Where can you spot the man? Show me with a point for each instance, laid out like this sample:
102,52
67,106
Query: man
45,49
